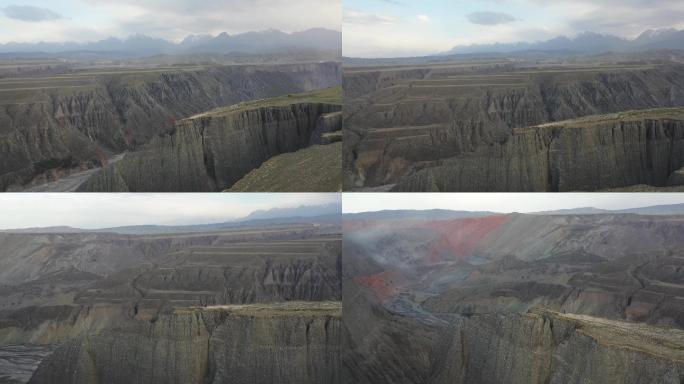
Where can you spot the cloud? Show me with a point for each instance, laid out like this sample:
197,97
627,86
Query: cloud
490,18
29,13
172,19
394,2
368,34
423,18
356,17
627,19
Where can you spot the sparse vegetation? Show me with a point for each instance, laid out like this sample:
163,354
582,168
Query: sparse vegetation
331,95
313,169
289,308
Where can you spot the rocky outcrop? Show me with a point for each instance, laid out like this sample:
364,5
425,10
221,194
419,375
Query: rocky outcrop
213,151
61,127
326,124
18,362
536,347
287,343
676,178
546,347
41,270
582,156
245,305
521,298
28,257
452,130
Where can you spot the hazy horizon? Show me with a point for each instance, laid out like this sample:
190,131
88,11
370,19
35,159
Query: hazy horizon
503,202
398,28
124,38
84,21
106,210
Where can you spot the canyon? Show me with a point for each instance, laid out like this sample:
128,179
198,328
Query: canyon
67,119
506,125
214,150
518,298
248,303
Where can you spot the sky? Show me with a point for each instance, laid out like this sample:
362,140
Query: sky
91,20
503,202
396,28
103,210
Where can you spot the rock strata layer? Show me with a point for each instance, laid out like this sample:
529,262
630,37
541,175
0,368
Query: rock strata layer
295,342
577,156
478,128
53,128
212,151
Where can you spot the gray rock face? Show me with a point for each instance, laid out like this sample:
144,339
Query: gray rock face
505,347
676,178
60,127
326,124
245,304
467,129
521,298
211,152
45,274
561,159
262,345
552,348
298,349
18,362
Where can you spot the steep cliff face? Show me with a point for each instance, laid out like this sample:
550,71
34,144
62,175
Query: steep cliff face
471,123
286,343
245,305
278,348
213,151
62,126
326,127
514,299
563,157
547,347
317,168
55,271
532,348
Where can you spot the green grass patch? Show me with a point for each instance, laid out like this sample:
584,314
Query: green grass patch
633,115
322,96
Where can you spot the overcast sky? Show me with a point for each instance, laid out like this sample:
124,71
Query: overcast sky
393,28
503,202
89,20
102,210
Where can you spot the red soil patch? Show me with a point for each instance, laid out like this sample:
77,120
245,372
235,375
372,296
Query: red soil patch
384,284
458,237
455,239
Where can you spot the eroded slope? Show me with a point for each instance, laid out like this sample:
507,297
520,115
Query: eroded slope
463,127
213,150
250,304
53,124
515,299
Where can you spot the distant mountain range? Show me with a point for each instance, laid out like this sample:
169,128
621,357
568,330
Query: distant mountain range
324,213
301,211
672,209
437,214
587,42
271,40
429,214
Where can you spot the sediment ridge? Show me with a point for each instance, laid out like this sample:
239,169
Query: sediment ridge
214,150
